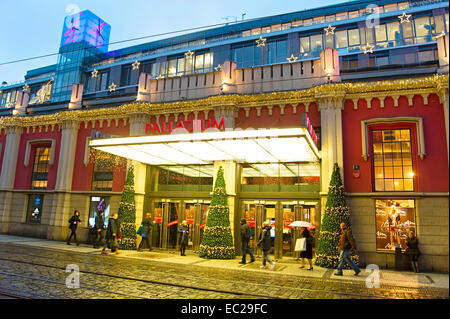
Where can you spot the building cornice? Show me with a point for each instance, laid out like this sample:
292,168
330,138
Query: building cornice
407,87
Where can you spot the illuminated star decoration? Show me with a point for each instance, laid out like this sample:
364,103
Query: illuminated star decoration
189,54
292,59
218,68
73,31
26,88
261,42
112,87
404,17
94,73
136,65
368,48
329,30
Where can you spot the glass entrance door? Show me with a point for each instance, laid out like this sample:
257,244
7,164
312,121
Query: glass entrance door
196,212
165,218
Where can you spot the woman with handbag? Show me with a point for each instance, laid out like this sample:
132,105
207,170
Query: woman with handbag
144,232
307,253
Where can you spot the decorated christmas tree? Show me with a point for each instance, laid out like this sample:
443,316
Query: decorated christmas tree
336,212
217,241
127,214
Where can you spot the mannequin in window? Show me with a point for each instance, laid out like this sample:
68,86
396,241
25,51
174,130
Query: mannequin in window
394,221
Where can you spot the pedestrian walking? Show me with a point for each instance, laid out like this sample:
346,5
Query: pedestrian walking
264,244
412,250
346,244
183,232
99,228
112,234
73,225
305,233
146,228
245,239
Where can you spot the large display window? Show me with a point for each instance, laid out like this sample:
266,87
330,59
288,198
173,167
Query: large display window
394,220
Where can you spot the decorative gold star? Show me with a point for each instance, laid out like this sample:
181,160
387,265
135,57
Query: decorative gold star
26,88
292,59
112,87
368,48
261,42
94,73
136,65
329,30
189,54
404,17
218,68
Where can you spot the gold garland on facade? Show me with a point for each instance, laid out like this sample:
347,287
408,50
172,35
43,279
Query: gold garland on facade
436,82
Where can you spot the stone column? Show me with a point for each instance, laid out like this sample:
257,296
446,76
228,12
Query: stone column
330,107
137,128
226,111
8,174
62,205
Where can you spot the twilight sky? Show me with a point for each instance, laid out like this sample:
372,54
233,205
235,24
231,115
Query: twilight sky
31,28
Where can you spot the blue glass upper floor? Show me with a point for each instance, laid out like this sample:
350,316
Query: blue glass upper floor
395,43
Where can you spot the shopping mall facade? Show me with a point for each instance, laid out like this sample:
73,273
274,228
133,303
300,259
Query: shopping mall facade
275,101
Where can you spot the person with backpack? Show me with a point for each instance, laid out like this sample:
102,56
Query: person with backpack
146,228
99,228
245,239
74,221
264,244
112,234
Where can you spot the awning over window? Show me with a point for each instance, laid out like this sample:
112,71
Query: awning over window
249,146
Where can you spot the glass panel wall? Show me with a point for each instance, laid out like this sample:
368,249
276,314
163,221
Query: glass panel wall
284,177
195,178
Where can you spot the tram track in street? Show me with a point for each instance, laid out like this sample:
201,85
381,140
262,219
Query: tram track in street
92,260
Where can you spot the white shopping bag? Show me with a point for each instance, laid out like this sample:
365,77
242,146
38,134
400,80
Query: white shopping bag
300,244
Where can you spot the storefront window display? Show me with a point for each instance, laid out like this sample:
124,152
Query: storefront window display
394,219
34,211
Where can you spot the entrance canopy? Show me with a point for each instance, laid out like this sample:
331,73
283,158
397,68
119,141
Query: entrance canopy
248,146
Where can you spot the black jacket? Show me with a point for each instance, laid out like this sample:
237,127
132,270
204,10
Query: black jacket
264,238
183,233
113,228
245,232
146,226
99,223
74,221
346,240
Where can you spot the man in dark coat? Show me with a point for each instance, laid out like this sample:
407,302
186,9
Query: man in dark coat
74,221
99,228
183,232
264,242
346,244
112,234
245,239
145,232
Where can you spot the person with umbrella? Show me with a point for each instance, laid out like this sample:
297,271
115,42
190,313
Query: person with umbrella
307,253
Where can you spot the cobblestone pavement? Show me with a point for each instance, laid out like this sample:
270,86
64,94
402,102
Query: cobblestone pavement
32,272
